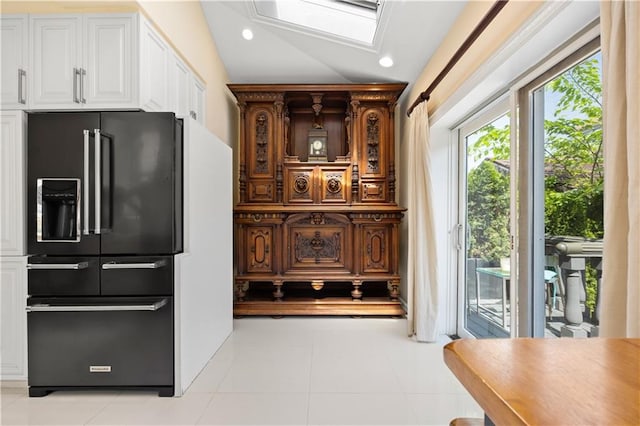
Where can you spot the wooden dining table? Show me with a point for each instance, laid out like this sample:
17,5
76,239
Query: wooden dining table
527,381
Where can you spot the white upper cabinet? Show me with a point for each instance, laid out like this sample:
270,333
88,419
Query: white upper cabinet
56,59
197,99
154,63
179,86
12,178
94,61
14,37
110,54
82,61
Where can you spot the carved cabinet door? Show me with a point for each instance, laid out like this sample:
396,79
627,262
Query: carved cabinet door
317,184
259,249
300,185
260,130
318,242
334,185
374,154
377,248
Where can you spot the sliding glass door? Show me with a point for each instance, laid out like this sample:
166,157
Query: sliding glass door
484,237
541,193
560,223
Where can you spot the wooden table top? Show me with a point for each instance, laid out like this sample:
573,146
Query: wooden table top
551,381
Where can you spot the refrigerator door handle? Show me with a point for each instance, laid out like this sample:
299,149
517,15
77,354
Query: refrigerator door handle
79,265
98,183
86,182
151,265
96,308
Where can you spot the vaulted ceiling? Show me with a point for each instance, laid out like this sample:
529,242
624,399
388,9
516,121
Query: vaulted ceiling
408,31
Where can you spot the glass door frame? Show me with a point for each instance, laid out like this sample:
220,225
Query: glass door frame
488,114
530,231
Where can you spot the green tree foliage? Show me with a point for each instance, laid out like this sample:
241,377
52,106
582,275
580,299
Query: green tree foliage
573,154
574,169
487,209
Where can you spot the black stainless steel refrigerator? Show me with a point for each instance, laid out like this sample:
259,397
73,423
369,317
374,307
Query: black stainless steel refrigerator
104,220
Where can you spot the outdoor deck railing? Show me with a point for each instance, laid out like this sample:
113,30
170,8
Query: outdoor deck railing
572,255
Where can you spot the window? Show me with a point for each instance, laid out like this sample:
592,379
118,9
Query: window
351,19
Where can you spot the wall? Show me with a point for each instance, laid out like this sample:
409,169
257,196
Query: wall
184,25
508,21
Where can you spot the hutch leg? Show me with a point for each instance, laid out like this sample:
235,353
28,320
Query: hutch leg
356,293
393,285
278,294
241,289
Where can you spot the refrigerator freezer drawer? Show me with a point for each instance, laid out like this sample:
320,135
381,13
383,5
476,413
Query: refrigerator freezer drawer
137,275
90,343
63,276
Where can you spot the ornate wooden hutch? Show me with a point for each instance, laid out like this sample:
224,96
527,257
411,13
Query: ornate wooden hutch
317,224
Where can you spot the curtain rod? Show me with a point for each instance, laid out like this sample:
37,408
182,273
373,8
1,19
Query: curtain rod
479,29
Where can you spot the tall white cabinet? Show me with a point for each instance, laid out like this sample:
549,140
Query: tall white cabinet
13,263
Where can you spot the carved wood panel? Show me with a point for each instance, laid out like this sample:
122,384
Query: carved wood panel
260,249
373,192
376,253
334,186
261,191
374,141
260,126
318,241
312,247
300,185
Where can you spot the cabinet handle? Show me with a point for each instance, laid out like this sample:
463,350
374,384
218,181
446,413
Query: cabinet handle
151,265
83,73
95,308
76,74
79,265
22,96
193,115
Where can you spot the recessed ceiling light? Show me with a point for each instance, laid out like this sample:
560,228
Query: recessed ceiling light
386,61
247,34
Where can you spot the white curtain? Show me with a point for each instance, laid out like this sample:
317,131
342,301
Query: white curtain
620,301
421,266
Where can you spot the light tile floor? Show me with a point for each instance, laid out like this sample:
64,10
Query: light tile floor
290,371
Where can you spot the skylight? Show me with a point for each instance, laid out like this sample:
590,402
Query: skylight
351,19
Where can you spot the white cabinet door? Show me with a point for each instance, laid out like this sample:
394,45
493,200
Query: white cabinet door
14,37
12,181
13,323
56,61
179,80
110,61
154,60
197,99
